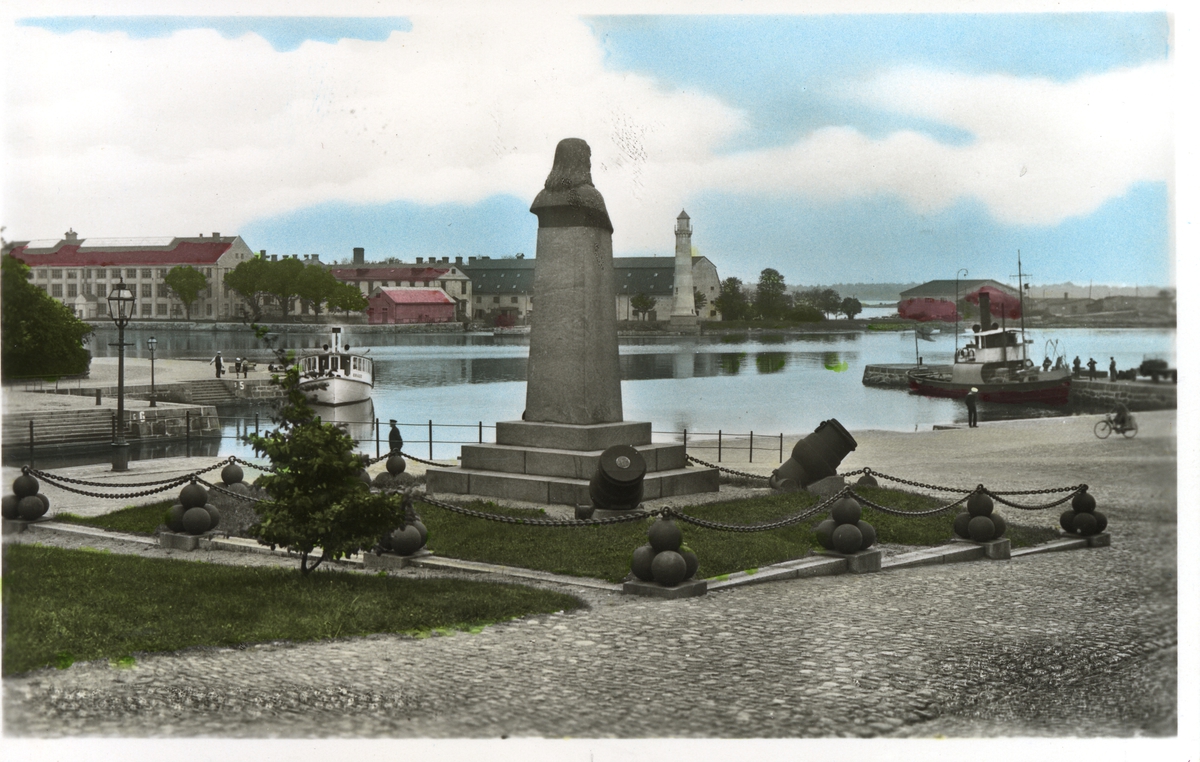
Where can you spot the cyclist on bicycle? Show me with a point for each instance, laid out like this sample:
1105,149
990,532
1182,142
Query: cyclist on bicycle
1120,417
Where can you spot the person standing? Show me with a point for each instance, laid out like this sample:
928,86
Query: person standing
1076,366
972,416
1112,369
1091,363
395,441
217,362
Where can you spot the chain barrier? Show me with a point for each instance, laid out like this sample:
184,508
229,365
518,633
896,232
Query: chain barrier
897,512
416,459
230,493
49,479
759,527
745,474
638,515
996,496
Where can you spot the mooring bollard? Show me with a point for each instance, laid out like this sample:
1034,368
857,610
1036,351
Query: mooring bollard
97,396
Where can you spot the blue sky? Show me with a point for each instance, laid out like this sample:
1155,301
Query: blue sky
832,148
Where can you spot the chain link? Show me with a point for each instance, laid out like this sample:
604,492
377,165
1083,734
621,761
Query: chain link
1042,507
897,512
420,460
745,474
117,496
759,527
224,491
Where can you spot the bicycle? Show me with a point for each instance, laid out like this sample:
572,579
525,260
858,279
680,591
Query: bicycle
1109,426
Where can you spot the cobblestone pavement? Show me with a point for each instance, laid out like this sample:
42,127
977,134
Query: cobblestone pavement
1078,643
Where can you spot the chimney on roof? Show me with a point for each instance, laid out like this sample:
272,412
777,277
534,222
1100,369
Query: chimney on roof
446,259
262,253
458,260
360,255
420,260
71,236
520,255
316,258
275,257
470,260
216,235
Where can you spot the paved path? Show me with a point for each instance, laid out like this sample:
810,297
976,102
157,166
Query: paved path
1079,643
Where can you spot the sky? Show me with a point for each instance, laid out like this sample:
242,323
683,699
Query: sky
834,148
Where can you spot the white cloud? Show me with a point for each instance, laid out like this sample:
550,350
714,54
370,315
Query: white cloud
120,137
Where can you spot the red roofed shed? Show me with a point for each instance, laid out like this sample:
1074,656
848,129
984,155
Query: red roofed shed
388,306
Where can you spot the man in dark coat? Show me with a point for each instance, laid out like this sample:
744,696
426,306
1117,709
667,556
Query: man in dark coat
972,416
1091,363
395,441
1076,365
1112,369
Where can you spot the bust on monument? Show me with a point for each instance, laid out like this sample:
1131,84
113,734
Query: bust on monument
574,370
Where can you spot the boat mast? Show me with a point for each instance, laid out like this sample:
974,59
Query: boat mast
1021,301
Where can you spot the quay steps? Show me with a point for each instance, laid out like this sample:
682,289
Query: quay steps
93,425
211,392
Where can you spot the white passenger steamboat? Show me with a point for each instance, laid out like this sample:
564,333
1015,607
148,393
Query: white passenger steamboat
337,376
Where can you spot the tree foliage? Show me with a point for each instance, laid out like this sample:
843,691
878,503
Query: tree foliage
42,338
851,307
642,305
249,280
771,300
699,299
732,302
317,497
260,281
186,282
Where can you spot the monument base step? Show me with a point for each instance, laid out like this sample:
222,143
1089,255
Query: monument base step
558,490
571,464
569,436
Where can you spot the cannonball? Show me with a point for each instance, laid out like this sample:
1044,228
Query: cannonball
193,496
643,557
214,514
866,480
45,500
981,528
1067,520
1086,524
385,541
692,560
668,568
232,474
1083,502
960,525
845,510
665,535
25,485
1101,521
30,508
396,465
424,532
979,504
868,534
383,479
824,533
9,506
240,488
364,477
196,520
847,538
1001,525
174,517
406,540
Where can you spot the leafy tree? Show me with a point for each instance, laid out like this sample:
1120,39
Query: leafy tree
642,304
283,282
699,299
830,301
803,312
249,281
770,299
186,282
42,338
315,287
851,307
317,498
346,298
732,302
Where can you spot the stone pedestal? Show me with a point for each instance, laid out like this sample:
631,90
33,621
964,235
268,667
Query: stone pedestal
861,562
573,388
179,540
689,589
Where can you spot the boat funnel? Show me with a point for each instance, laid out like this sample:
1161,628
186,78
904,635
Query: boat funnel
985,309
815,457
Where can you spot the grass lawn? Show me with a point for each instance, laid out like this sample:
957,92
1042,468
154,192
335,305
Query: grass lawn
135,519
62,605
604,552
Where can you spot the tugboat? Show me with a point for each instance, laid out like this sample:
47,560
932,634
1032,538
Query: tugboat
996,362
336,377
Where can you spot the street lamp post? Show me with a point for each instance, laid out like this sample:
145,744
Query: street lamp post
961,271
152,343
120,309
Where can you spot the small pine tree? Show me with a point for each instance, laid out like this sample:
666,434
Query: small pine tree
317,497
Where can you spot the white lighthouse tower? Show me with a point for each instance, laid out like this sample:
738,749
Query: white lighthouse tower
683,313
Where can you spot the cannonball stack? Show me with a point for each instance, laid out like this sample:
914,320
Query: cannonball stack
396,465
665,559
193,514
232,480
25,503
1083,518
979,522
845,531
409,537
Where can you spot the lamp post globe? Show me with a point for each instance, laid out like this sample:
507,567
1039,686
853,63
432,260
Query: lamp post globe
121,303
151,343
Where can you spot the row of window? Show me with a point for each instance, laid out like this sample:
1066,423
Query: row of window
496,300
56,290
86,273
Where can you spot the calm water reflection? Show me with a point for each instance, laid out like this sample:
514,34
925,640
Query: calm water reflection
770,383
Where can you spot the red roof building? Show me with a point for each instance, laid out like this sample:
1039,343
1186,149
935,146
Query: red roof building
445,276
389,306
79,272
